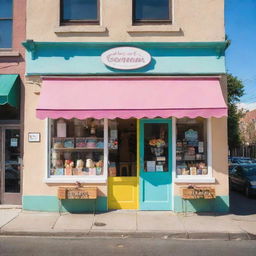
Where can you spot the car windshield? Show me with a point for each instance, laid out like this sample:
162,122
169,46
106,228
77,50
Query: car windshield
250,170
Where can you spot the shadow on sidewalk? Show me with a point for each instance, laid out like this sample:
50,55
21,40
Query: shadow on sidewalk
241,205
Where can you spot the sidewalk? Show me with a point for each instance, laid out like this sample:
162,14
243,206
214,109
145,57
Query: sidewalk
122,223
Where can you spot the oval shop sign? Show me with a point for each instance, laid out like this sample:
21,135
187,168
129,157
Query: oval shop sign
125,58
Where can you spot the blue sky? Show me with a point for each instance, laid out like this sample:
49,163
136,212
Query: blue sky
240,20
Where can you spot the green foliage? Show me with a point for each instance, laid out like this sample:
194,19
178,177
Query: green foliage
235,91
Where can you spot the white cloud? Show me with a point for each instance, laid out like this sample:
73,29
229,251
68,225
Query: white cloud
247,106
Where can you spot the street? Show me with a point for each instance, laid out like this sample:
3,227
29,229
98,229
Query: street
243,211
40,246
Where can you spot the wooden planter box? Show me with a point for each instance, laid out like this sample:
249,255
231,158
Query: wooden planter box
77,193
198,192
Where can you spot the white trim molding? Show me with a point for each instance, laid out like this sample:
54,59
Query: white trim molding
187,179
74,179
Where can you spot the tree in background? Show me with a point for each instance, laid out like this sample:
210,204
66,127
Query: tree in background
235,91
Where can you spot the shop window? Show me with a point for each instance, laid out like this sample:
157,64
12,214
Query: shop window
6,23
8,112
191,147
76,148
122,146
80,11
152,11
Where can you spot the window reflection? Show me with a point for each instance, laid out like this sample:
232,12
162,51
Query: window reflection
122,147
79,10
151,10
191,147
155,147
12,165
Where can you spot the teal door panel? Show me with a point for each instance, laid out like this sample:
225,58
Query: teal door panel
155,164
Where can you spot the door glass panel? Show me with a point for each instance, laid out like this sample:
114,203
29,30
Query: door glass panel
122,146
156,147
12,165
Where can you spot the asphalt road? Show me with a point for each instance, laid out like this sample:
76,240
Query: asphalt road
47,246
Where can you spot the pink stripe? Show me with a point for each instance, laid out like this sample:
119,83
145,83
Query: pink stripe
125,114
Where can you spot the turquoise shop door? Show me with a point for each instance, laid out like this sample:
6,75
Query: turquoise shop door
155,164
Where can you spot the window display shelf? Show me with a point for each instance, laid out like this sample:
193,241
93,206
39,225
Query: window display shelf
77,149
193,160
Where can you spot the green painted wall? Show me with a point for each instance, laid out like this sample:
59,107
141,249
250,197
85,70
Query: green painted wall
52,204
219,204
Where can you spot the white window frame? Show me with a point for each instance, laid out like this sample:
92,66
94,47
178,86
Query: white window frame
75,178
193,178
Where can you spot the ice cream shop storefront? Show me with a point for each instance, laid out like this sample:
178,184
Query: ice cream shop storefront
123,132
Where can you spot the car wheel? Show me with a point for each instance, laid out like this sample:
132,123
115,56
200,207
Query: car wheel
247,191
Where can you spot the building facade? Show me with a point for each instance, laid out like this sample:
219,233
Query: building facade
12,69
126,99
247,126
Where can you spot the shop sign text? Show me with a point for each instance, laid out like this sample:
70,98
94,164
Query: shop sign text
77,193
198,192
126,58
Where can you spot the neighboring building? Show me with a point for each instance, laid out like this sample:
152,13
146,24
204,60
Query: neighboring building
247,127
12,69
128,98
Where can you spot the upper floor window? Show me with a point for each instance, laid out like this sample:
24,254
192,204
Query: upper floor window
6,23
152,11
80,11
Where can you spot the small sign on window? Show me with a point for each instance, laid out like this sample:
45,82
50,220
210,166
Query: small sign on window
14,142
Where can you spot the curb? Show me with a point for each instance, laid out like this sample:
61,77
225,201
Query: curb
124,235
10,207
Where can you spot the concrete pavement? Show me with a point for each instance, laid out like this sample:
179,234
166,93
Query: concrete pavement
122,223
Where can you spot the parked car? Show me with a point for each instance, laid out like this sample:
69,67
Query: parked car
241,160
242,177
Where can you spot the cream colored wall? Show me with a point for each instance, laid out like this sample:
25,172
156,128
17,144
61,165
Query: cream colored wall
193,20
34,170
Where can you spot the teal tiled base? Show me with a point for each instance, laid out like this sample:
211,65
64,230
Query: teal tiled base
52,204
219,204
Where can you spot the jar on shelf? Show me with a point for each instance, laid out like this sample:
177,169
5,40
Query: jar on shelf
61,128
79,131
